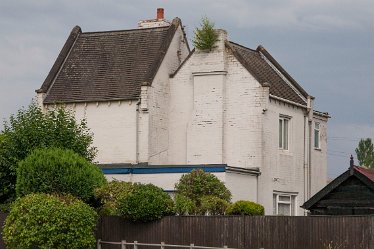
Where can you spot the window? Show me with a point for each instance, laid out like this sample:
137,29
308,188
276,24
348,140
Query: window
284,204
316,135
283,132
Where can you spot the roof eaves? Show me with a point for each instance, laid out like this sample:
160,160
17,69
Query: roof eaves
89,100
74,34
326,190
182,64
241,60
263,51
163,50
364,179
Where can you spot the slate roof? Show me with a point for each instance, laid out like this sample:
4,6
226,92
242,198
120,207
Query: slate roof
365,175
99,66
268,71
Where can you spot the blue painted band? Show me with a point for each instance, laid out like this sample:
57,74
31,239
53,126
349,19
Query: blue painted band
161,170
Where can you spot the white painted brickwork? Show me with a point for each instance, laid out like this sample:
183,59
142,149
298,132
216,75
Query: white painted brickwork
213,111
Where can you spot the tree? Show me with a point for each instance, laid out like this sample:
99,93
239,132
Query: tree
365,153
55,170
245,208
197,186
29,129
50,221
205,36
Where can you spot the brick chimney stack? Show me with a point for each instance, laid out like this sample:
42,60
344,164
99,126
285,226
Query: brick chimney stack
160,13
159,21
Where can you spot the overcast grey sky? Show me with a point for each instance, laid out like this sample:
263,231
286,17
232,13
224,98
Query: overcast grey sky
326,45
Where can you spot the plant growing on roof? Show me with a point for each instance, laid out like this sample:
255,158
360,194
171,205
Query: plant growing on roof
205,36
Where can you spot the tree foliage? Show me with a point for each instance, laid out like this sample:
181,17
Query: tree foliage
46,221
198,186
55,170
184,205
205,36
245,208
145,202
365,153
109,196
29,129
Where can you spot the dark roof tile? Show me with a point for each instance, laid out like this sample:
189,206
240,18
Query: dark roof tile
255,61
99,66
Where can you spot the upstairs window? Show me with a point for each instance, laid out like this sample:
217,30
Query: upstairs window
316,135
283,132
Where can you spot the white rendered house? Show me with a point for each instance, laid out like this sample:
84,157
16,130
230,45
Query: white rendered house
158,110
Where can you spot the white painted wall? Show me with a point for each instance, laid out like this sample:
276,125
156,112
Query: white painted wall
115,140
159,100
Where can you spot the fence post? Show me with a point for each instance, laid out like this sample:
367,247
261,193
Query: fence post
99,244
135,244
123,244
192,246
162,245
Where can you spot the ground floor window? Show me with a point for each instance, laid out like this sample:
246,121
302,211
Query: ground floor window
284,203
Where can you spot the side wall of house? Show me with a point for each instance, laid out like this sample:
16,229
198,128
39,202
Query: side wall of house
113,125
159,99
283,170
319,156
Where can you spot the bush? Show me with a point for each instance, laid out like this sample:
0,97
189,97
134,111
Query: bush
54,170
184,205
199,186
146,203
213,205
46,221
30,129
245,208
109,196
198,183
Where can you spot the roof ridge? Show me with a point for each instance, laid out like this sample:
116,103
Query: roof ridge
276,64
234,43
124,30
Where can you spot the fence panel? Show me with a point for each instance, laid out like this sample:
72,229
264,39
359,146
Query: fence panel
246,232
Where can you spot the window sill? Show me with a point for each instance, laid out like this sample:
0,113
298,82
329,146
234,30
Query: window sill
318,149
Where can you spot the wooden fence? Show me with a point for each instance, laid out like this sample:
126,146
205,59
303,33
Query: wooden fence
242,232
245,232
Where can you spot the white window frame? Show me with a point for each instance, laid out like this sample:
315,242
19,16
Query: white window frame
292,202
284,132
317,135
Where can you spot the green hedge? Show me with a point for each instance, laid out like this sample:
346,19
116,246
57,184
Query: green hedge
213,205
54,170
45,221
184,205
145,203
245,208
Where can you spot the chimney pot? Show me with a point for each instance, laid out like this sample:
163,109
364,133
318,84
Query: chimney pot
160,13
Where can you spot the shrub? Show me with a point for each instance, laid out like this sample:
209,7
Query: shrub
54,170
46,221
30,129
109,195
145,203
206,36
198,184
245,208
213,205
184,205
